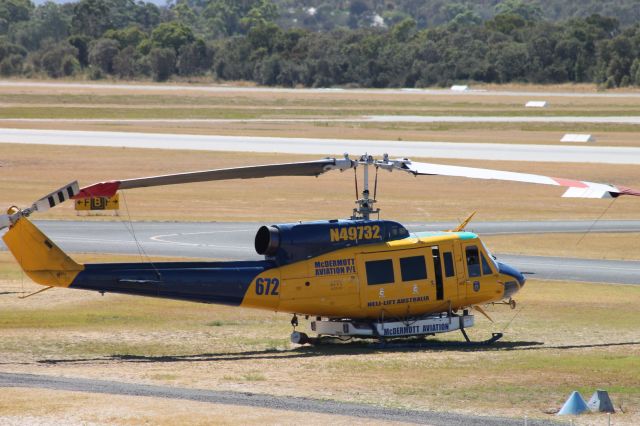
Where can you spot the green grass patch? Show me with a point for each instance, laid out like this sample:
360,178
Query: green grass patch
146,106
127,113
253,376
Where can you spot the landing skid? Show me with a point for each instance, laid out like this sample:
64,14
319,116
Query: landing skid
407,342
382,331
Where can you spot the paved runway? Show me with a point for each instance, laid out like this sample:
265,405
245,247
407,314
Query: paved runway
399,91
324,147
352,119
233,241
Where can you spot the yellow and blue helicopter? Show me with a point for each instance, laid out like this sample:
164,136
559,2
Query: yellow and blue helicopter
356,277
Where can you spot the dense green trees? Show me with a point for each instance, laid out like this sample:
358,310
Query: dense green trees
163,62
369,43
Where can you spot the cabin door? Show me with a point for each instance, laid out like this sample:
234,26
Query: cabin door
396,282
444,277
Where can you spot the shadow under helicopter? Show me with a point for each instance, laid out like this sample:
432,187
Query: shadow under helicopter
332,348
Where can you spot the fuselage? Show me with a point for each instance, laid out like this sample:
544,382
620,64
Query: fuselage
420,274
337,269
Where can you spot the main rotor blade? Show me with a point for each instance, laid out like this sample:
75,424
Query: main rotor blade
577,189
307,168
58,196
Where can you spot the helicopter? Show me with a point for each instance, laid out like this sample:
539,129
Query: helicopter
360,277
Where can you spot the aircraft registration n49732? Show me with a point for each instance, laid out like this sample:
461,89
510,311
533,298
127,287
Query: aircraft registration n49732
356,277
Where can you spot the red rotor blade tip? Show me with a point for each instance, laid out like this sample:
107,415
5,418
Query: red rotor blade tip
101,189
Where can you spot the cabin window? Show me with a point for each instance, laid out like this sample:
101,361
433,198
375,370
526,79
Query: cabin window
379,272
449,271
413,268
486,269
473,261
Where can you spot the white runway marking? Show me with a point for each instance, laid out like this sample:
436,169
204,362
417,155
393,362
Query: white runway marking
591,266
477,151
166,239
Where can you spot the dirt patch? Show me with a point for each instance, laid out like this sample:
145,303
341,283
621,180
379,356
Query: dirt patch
18,407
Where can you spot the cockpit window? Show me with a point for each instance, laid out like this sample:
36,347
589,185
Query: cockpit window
491,258
486,269
449,270
473,261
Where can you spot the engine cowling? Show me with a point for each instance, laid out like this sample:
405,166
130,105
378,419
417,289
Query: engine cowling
267,240
291,242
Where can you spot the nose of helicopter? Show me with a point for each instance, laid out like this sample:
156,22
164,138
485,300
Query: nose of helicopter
514,280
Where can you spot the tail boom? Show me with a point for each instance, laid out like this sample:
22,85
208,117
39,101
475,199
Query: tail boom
224,283
207,282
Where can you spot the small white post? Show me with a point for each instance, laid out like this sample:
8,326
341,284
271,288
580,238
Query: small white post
525,420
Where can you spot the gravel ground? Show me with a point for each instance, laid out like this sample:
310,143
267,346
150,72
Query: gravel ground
255,400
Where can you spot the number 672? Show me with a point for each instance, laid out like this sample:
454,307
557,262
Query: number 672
267,286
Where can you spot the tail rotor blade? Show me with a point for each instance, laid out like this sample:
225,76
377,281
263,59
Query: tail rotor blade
5,221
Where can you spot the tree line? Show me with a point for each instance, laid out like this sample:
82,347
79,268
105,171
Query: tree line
255,40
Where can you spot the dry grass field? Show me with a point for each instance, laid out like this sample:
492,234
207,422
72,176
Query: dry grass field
562,336
592,245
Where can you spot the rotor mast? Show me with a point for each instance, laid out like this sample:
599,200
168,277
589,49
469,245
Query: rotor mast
365,204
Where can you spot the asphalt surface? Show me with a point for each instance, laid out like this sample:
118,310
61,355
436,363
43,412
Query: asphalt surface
289,403
354,119
234,241
324,147
403,91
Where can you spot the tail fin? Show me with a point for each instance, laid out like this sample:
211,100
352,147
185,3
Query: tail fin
42,260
